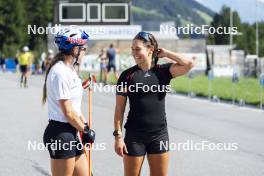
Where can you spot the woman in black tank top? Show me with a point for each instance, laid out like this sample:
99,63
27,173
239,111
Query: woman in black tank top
146,85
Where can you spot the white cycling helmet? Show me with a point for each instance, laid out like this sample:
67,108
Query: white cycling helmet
50,51
67,38
25,49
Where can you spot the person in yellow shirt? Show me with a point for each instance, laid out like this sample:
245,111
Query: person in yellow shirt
30,63
25,60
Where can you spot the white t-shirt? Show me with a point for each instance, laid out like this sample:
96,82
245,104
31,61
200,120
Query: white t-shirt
63,83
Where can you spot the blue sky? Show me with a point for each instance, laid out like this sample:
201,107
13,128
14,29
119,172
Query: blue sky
245,8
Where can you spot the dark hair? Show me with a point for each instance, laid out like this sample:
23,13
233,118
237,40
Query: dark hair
59,57
151,43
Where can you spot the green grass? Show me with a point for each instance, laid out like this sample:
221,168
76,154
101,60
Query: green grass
247,89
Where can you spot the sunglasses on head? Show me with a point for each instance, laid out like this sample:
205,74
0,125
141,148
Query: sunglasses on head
144,35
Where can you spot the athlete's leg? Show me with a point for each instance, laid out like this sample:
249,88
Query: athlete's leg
62,167
158,164
25,82
21,79
27,75
132,165
104,75
101,72
81,166
116,74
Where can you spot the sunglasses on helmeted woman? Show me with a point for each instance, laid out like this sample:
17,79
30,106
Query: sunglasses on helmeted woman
82,48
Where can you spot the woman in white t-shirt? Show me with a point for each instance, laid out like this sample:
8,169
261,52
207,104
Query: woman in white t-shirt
63,92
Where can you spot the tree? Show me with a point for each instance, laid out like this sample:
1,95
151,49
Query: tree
261,39
12,25
16,15
246,41
40,13
223,20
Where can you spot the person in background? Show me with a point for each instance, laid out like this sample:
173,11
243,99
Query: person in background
31,65
111,55
103,65
25,61
48,60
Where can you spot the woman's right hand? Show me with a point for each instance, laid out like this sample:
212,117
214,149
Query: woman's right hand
162,52
120,147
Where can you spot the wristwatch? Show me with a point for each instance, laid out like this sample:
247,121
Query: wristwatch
117,133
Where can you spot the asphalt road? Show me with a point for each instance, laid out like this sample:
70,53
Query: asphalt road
190,120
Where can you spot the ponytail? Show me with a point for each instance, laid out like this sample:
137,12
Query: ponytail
57,58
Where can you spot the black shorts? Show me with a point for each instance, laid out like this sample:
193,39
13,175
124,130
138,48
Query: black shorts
141,143
62,141
23,68
111,65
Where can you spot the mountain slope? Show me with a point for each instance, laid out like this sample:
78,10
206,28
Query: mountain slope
149,12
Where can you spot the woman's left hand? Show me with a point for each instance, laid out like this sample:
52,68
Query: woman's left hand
162,52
